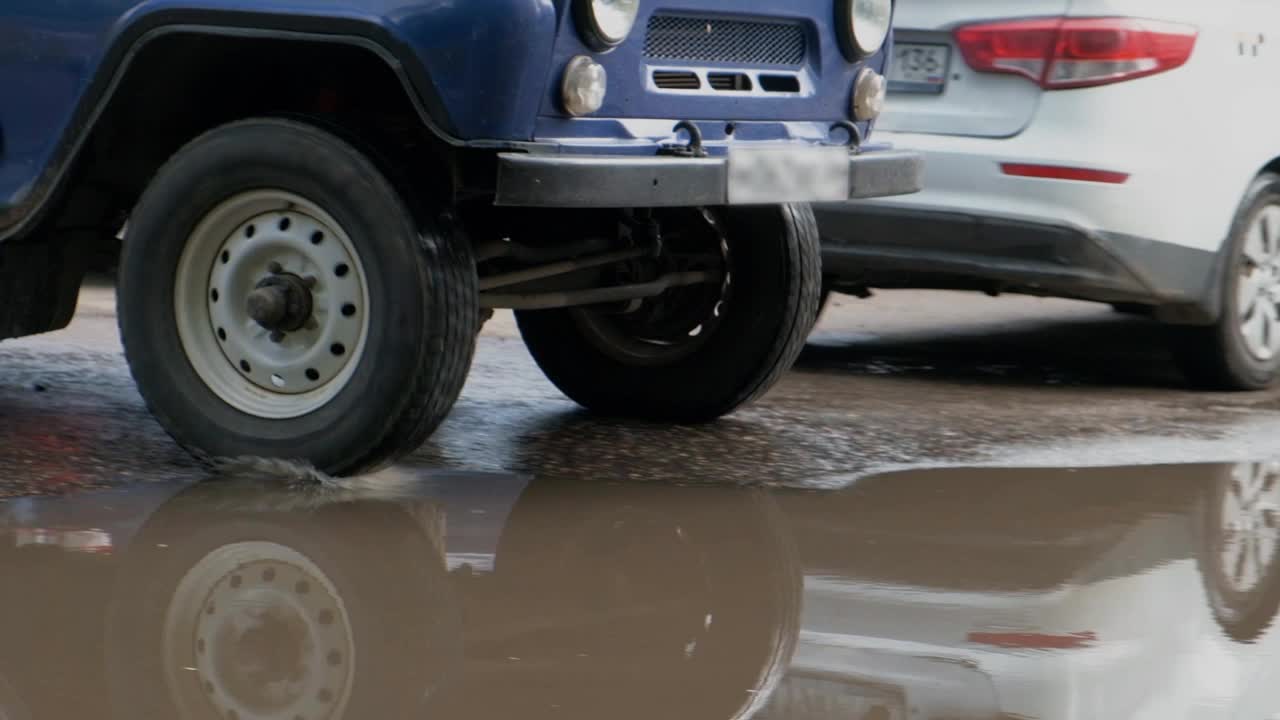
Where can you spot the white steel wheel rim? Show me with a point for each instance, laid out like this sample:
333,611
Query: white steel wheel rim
233,248
1258,285
1250,525
243,596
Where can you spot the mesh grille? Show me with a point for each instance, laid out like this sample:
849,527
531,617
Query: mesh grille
674,37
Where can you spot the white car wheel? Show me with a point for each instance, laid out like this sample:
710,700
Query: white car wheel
1241,349
1258,285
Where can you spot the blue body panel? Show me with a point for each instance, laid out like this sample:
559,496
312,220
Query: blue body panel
483,70
636,111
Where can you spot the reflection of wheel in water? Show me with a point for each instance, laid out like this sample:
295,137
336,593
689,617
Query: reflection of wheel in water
235,605
684,601
1241,556
266,632
11,707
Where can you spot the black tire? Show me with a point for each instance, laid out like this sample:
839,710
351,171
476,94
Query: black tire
421,281
1215,357
1243,615
390,603
776,273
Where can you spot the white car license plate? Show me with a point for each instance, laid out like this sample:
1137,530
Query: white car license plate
765,176
919,68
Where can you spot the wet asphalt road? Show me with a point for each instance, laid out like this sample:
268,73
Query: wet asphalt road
903,380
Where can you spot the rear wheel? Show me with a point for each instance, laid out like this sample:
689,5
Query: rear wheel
277,298
693,353
1242,350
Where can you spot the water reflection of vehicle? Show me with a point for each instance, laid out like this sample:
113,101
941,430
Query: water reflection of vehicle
230,599
1112,593
1045,593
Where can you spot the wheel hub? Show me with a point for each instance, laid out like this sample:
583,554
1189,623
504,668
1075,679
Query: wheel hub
256,630
671,326
281,303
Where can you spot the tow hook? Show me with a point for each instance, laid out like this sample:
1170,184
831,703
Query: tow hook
693,149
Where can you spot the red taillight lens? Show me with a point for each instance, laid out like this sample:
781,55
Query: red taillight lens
1060,53
1020,47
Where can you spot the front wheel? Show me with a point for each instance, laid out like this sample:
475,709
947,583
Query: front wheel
693,354
277,298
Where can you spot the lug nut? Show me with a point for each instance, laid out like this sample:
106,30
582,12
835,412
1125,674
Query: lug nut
277,336
274,268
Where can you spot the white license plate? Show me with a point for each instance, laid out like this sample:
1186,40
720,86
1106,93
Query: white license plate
765,176
919,68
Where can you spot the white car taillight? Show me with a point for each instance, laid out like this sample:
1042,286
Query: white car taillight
1063,53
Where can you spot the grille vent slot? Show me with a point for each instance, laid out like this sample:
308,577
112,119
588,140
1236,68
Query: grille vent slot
729,81
676,80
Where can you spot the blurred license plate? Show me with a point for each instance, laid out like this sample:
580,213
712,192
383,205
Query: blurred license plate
919,68
764,176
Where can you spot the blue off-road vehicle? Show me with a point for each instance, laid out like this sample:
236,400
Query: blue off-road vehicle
322,199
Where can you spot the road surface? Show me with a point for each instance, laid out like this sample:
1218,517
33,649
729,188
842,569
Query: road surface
902,380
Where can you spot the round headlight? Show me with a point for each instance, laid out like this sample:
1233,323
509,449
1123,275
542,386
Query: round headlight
583,89
869,22
606,23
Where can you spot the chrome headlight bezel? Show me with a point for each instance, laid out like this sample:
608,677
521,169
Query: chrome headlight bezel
600,35
865,26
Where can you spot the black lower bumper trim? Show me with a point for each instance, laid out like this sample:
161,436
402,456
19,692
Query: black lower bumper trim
920,248
526,180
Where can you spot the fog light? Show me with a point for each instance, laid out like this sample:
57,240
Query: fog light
868,95
584,86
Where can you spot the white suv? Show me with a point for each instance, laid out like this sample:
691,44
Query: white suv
1124,151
